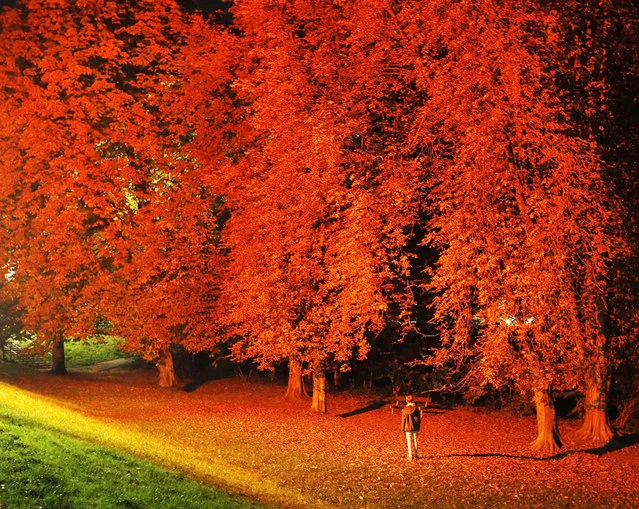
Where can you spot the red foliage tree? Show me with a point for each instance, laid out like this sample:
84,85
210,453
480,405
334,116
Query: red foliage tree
105,210
598,79
55,209
315,231
165,256
323,125
521,213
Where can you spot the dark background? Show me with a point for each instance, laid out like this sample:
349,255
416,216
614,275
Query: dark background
202,5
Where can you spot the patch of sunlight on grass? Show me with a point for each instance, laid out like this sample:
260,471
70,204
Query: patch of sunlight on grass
48,468
47,413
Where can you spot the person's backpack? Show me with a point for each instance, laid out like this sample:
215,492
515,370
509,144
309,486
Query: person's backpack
411,421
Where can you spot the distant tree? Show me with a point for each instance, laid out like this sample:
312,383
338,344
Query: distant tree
10,324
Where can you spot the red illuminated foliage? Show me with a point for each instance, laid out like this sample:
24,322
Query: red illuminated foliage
599,83
315,231
520,210
165,257
105,211
141,143
55,204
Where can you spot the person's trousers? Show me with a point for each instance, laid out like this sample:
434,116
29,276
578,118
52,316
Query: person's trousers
411,440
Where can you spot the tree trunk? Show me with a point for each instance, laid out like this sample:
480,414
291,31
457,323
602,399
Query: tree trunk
167,377
596,426
548,439
319,390
58,365
295,389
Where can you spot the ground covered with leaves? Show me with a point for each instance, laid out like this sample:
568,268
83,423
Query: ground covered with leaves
246,439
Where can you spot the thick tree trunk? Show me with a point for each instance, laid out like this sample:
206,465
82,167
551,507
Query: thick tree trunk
319,390
295,389
548,440
167,377
596,426
58,365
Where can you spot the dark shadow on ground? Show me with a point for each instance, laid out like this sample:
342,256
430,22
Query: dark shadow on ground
616,444
503,455
196,383
375,405
433,411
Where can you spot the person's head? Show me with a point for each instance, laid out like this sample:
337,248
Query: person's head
409,398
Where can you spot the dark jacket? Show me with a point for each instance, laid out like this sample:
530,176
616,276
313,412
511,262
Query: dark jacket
411,418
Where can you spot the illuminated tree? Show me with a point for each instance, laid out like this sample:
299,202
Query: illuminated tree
598,82
521,213
54,109
316,223
165,256
105,208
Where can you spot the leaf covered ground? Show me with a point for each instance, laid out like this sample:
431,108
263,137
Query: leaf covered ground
245,438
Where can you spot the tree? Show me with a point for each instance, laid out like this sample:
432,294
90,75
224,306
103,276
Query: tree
53,202
315,231
165,256
597,81
110,205
520,211
10,325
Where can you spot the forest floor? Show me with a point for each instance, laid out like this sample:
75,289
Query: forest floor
244,438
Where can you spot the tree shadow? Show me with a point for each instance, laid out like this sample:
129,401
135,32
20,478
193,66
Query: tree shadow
616,444
377,404
433,411
374,405
195,384
501,455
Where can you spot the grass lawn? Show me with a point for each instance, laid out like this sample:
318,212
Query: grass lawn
88,352
92,351
44,468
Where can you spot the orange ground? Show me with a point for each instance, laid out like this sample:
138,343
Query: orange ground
469,458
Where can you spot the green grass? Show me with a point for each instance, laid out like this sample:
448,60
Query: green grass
92,351
44,468
87,352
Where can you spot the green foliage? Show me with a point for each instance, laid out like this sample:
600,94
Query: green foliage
21,338
97,349
9,320
44,468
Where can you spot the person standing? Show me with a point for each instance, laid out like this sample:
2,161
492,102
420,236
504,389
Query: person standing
411,421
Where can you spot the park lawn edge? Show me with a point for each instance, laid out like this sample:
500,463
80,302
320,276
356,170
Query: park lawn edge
48,468
210,469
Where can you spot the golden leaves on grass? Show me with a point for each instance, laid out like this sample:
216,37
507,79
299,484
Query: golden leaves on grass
469,458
